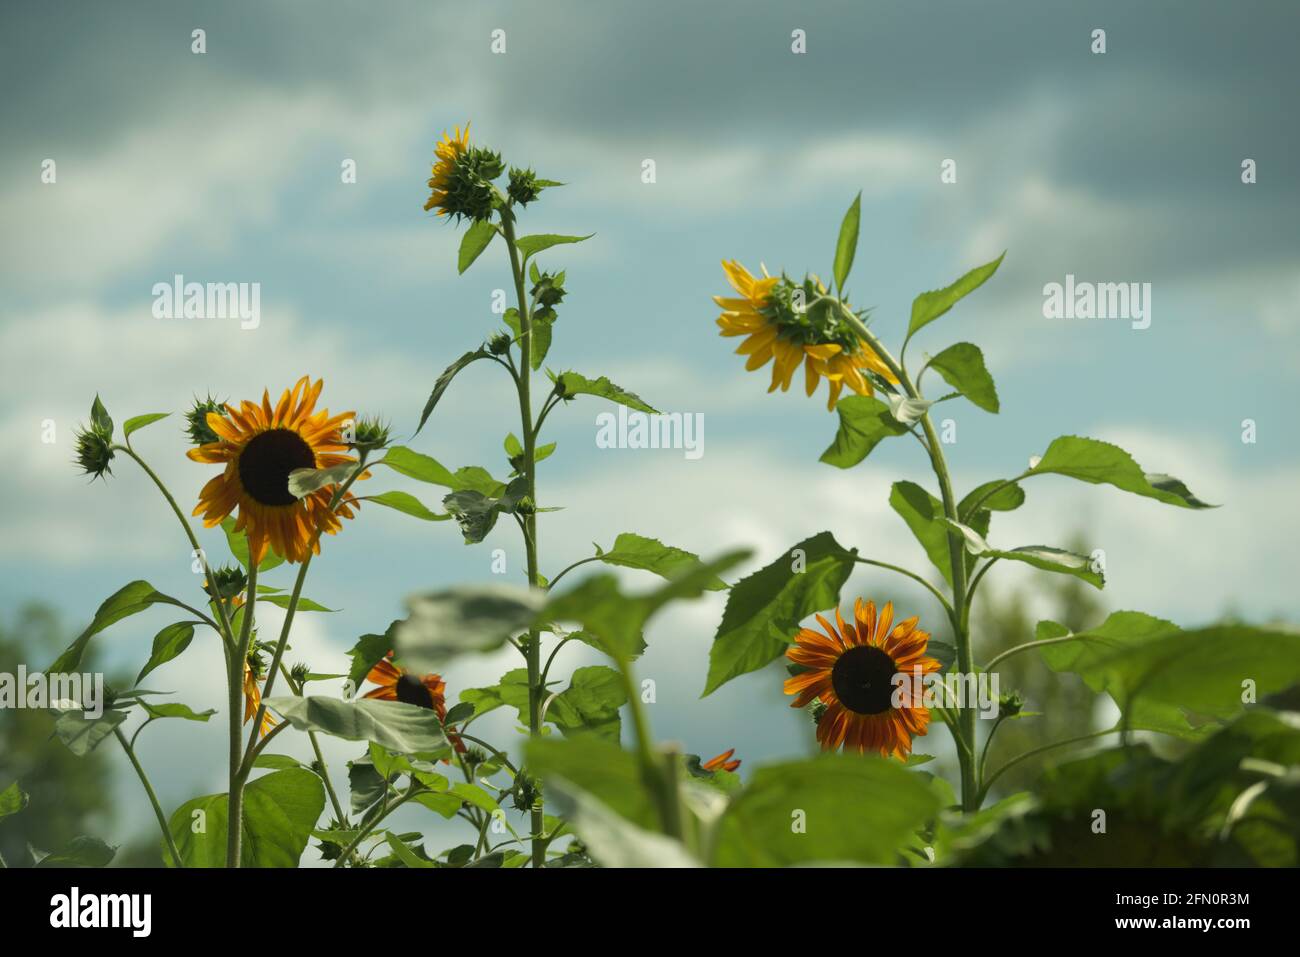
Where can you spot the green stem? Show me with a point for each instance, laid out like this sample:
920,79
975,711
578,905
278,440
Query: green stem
1026,646
235,796
956,554
533,648
320,757
916,578
153,798
1034,752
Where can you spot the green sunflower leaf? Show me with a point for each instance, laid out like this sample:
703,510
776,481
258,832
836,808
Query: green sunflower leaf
174,709
929,306
472,244
471,619
366,653
1040,556
599,767
847,244
807,812
140,421
591,703
82,734
570,384
530,246
444,380
12,800
100,420
764,609
303,482
962,367
168,644
612,840
864,422
997,496
648,554
397,726
923,514
1100,463
129,600
81,851
304,604
407,504
280,810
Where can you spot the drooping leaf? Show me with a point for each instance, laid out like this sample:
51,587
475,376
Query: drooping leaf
302,482
764,610
864,422
397,726
635,551
476,512
997,496
444,380
467,620
304,604
847,244
570,384
280,811
406,503
81,733
472,244
174,709
591,703
1040,556
962,367
168,644
81,851
129,600
1100,463
929,306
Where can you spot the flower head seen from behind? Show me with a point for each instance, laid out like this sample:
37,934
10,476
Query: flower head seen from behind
792,324
461,182
722,762
260,445
850,669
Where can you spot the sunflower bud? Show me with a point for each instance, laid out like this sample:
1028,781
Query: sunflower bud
526,791
1009,705
499,344
469,192
94,452
299,672
474,759
225,583
196,420
523,188
371,433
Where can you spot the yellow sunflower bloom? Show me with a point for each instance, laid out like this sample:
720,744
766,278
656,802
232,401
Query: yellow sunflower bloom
851,670
253,701
259,446
777,332
448,153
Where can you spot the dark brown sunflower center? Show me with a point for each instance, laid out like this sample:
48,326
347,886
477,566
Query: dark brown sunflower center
266,462
410,690
863,679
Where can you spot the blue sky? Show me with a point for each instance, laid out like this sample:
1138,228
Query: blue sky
224,167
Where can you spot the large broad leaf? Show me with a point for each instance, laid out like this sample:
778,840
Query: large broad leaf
532,245
847,243
997,496
406,503
612,840
649,554
511,690
1100,463
397,726
616,621
929,306
469,619
82,734
569,384
1045,557
923,514
425,468
129,600
444,380
81,851
962,367
476,513
835,808
864,422
280,811
475,240
12,800
764,610
590,704
366,653
1178,682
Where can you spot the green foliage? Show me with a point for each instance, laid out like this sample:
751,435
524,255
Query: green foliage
929,306
129,600
1090,460
168,644
140,421
764,609
471,619
570,384
444,380
962,367
396,725
472,244
649,554
530,246
864,422
847,243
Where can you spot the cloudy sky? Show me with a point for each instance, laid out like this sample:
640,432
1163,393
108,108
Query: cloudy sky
225,167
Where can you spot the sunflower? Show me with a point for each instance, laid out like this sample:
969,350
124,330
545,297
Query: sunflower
398,684
723,762
448,153
794,324
253,700
260,446
851,670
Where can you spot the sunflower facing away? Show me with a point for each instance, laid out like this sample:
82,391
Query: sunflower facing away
260,445
787,323
253,700
851,669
